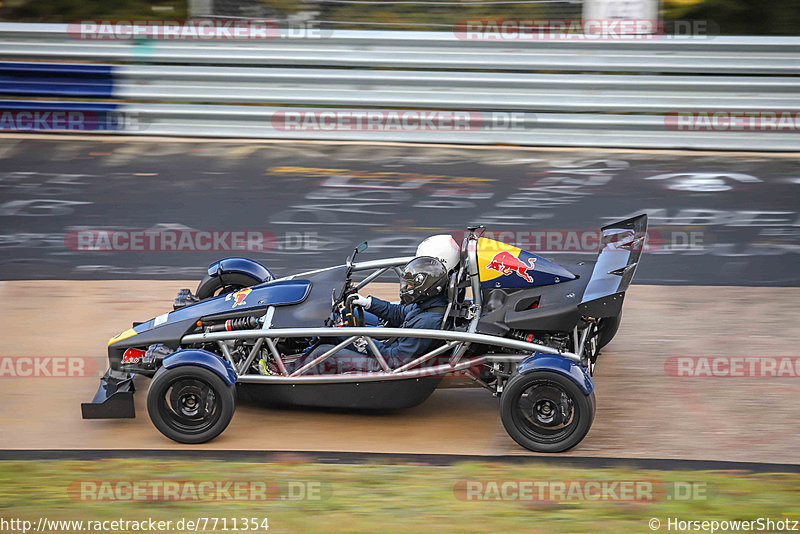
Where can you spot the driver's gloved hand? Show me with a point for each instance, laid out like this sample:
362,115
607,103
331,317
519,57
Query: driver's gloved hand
364,302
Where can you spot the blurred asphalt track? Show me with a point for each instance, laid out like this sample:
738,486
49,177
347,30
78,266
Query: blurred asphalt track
716,218
719,219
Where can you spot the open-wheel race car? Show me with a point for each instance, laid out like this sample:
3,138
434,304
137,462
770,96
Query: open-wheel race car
527,329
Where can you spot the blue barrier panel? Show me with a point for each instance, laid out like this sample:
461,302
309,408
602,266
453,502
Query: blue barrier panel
56,79
68,68
78,106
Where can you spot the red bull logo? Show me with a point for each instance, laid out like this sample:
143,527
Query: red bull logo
506,263
132,356
238,297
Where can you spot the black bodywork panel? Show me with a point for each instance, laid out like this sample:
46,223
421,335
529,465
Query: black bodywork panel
377,395
316,308
114,398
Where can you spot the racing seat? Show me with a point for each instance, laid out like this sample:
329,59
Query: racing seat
456,294
452,292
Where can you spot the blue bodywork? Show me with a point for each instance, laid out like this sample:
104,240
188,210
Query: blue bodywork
543,272
558,364
204,359
236,264
281,293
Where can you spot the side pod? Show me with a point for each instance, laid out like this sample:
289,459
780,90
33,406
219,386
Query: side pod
201,358
558,364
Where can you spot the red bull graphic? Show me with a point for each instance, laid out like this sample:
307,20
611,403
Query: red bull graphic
506,263
238,297
132,356
497,261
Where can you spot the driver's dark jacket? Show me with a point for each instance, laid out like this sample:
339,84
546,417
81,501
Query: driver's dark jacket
409,316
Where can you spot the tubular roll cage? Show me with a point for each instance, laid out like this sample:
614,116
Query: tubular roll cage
458,341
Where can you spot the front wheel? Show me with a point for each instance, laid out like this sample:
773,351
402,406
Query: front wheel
190,404
546,412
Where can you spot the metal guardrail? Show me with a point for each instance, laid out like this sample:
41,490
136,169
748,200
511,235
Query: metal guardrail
674,56
470,91
580,93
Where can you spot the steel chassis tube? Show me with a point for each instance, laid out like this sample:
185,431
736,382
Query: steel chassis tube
427,372
370,331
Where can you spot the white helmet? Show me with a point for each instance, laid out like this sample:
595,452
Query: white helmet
442,247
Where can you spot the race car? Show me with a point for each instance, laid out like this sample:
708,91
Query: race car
527,329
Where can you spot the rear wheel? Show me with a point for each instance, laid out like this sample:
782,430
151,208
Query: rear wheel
213,286
546,412
190,404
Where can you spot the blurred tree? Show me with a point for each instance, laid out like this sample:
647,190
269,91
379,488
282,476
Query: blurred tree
733,17
740,17
72,10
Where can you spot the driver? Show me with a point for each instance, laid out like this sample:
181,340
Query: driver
423,304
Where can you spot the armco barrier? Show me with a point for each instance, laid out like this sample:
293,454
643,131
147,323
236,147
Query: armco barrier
550,93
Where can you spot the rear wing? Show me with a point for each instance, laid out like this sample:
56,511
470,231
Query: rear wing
620,249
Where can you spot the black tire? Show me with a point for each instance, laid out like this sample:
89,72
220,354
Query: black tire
212,286
607,329
175,393
536,429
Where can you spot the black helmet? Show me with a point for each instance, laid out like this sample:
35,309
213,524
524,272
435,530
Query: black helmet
422,278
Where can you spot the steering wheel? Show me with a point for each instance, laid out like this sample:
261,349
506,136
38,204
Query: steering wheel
354,315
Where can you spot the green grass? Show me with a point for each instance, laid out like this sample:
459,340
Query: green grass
391,498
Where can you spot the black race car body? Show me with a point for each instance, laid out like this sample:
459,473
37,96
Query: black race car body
525,327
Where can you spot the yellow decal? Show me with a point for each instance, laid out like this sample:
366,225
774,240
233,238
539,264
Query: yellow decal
488,249
130,332
238,297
